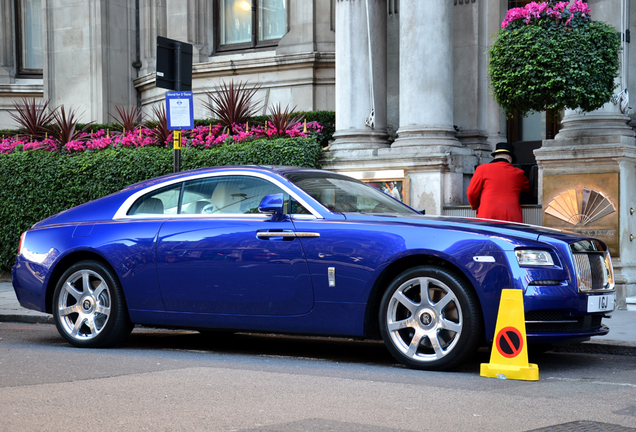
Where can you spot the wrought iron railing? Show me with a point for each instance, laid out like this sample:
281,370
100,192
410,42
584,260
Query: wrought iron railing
532,214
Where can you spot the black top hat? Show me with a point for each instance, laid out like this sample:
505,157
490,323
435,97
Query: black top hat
505,148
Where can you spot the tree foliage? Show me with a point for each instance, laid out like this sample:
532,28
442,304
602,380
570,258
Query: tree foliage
553,59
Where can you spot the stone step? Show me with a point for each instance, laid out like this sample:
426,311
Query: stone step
631,303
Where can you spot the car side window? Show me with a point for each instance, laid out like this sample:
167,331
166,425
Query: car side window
160,201
225,195
196,196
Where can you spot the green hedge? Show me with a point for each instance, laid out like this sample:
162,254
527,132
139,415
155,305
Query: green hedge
38,184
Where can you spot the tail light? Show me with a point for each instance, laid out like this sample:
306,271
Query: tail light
21,245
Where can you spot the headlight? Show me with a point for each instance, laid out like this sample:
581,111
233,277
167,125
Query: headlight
531,257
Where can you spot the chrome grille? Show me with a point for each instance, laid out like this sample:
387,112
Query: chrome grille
594,271
547,323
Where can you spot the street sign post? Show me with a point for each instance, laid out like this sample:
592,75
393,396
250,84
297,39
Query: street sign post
180,110
174,72
174,64
180,115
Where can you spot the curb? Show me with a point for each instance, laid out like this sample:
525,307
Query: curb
27,319
611,348
605,347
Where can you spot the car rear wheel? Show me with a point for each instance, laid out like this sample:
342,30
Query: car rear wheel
430,319
89,307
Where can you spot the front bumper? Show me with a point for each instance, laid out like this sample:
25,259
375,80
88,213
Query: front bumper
558,313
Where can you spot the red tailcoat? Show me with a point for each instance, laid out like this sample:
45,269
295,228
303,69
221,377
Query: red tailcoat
494,191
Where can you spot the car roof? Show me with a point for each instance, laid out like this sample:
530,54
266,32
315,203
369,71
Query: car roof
278,169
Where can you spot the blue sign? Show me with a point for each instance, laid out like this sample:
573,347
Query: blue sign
180,110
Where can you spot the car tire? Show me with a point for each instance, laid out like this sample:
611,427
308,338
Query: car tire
438,332
89,308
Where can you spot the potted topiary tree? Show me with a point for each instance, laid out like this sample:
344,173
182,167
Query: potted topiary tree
553,56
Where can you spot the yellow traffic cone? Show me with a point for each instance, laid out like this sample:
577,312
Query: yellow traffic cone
509,354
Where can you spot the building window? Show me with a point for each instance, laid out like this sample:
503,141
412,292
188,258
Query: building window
250,23
519,3
29,37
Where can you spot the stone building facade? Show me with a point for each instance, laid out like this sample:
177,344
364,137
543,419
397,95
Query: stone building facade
407,79
95,55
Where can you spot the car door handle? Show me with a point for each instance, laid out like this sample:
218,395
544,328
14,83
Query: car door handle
307,234
270,234
286,234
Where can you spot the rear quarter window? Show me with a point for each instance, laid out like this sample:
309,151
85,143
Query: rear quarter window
160,201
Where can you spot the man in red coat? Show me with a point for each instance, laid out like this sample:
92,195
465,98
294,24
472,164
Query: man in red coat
495,187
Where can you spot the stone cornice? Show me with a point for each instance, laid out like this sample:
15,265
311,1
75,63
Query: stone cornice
415,160
586,151
249,64
145,80
21,90
264,64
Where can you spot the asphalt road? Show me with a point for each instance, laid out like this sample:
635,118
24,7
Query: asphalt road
180,381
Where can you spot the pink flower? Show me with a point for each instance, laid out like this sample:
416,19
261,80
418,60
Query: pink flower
75,146
512,15
99,143
220,139
201,136
11,144
536,11
557,10
580,6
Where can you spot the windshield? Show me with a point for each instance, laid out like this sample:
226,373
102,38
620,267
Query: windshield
346,195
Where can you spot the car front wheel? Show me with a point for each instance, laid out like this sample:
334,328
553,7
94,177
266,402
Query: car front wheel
89,307
430,319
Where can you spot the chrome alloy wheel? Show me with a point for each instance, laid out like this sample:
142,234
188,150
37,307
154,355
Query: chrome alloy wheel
424,319
83,305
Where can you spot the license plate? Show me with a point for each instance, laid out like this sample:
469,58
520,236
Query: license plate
601,303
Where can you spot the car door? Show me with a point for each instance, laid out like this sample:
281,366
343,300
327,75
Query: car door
219,255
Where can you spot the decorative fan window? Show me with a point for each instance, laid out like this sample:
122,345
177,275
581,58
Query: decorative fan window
580,207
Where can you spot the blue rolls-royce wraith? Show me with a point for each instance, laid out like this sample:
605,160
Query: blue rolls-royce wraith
295,250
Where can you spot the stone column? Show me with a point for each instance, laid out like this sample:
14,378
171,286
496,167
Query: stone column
88,50
311,27
199,29
153,23
353,80
426,74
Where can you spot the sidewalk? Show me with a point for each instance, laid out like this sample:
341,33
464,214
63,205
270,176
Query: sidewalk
10,309
621,339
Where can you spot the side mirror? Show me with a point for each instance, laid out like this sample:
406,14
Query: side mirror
272,204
